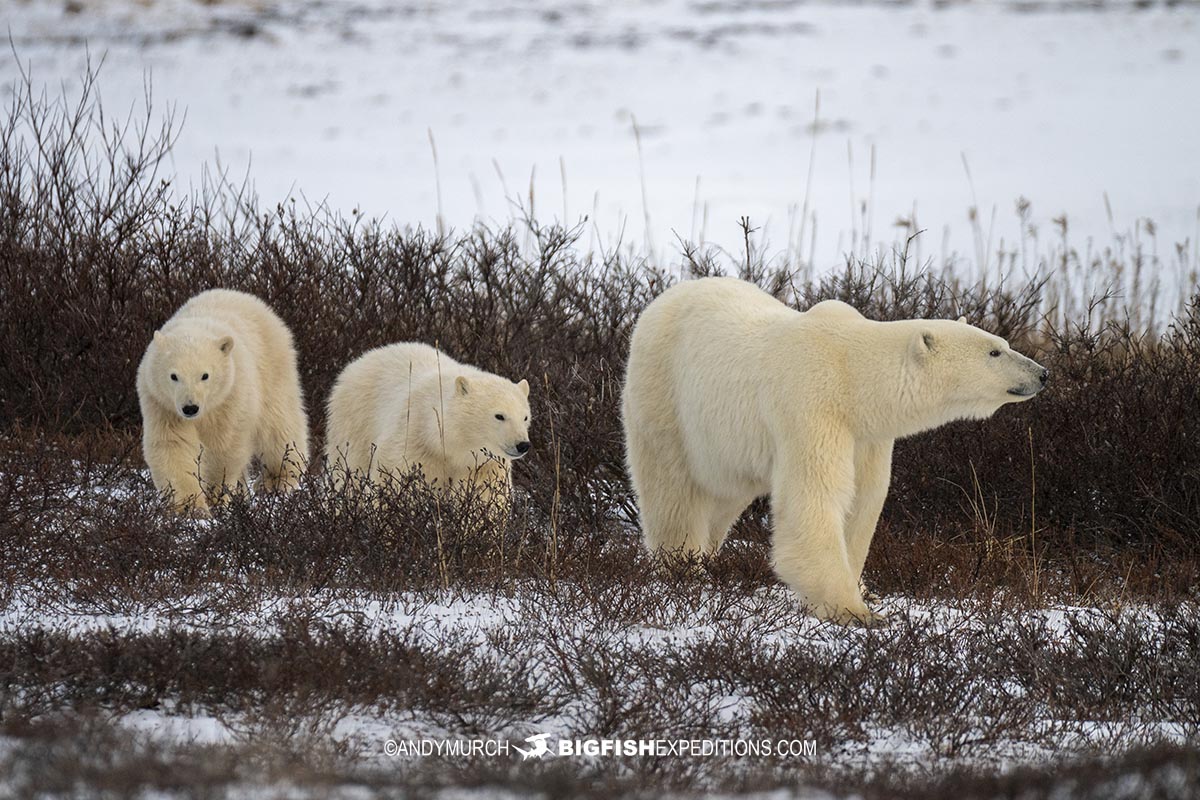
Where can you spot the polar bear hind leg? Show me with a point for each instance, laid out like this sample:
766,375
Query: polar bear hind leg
725,513
677,516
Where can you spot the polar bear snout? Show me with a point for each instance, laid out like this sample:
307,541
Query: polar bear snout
1036,379
521,449
1027,390
189,410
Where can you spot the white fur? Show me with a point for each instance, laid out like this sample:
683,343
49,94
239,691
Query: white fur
250,405
730,395
408,405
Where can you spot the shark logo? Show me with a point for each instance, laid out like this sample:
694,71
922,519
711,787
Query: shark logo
538,749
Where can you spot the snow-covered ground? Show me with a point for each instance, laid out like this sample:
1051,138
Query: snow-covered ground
1065,104
527,634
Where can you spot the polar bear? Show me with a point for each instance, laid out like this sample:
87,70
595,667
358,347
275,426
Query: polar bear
730,395
408,405
218,388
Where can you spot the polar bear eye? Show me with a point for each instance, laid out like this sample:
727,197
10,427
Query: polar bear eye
204,377
994,354
174,377
500,417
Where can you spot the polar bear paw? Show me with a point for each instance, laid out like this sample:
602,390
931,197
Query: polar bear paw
858,618
196,507
868,596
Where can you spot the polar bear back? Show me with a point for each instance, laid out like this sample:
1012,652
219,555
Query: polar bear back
730,372
725,373
696,375
375,393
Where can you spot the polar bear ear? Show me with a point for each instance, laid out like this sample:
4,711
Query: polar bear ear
160,337
225,344
461,386
923,344
524,387
962,319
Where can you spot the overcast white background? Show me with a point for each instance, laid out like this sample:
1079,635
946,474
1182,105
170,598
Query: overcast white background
1051,102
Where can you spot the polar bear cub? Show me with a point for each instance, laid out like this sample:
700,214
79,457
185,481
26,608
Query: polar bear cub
407,405
218,387
730,395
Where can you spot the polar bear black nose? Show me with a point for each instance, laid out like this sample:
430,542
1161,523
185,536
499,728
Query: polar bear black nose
1045,376
191,410
522,447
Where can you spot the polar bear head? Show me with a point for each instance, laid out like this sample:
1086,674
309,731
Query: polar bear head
967,373
488,414
190,370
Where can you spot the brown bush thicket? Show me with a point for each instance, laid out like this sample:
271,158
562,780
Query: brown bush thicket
97,250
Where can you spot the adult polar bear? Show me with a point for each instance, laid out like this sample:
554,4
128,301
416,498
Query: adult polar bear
730,395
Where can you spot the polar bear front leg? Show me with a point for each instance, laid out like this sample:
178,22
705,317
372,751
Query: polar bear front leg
494,480
173,455
811,492
226,467
283,447
283,463
872,476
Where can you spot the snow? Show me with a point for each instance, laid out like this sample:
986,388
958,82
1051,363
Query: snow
1076,109
198,729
